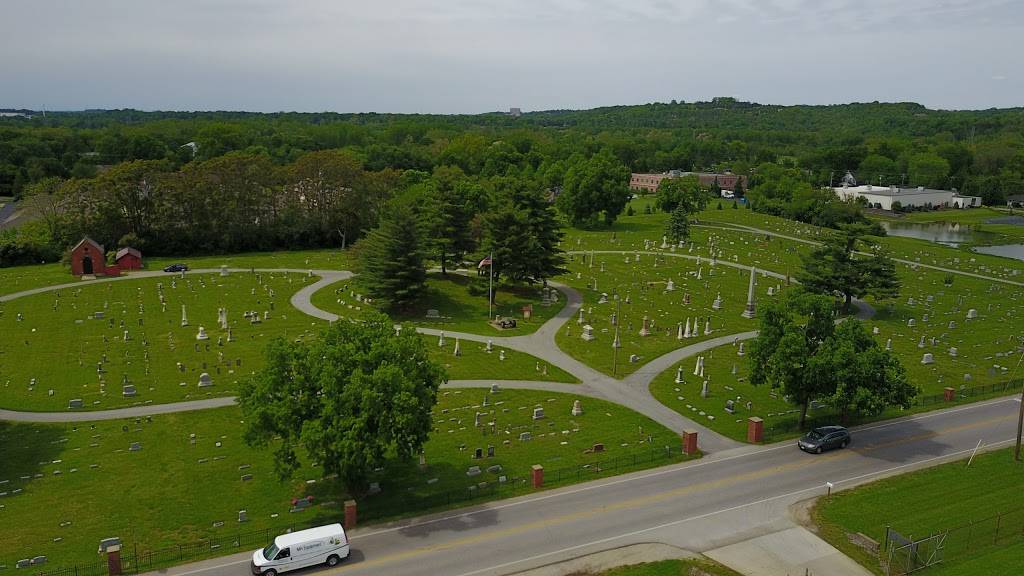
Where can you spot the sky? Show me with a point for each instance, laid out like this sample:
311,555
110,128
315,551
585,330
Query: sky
462,56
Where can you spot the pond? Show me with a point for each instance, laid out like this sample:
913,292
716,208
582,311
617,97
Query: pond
954,234
948,233
1006,250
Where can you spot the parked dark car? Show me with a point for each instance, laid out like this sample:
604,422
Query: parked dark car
176,268
824,438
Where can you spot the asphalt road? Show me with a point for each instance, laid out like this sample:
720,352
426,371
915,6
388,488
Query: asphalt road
728,497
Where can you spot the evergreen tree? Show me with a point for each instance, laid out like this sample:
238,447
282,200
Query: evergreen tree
522,233
391,257
834,268
678,226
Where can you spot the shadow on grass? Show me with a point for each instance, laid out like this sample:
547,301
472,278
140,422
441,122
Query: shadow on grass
27,448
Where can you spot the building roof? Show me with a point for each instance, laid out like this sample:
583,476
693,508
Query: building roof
127,251
894,191
87,240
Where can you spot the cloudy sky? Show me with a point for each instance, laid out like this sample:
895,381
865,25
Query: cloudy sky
455,56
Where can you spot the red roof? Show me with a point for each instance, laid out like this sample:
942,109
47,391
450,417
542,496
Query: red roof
126,251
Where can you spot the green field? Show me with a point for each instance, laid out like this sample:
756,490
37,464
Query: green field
931,501
645,284
459,311
475,363
61,343
173,490
18,278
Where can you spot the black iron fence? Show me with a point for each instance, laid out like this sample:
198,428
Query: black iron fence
786,425
907,554
138,558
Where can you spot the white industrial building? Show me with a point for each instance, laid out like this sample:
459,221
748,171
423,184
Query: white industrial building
884,196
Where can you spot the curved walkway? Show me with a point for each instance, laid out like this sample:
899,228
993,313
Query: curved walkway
911,263
632,392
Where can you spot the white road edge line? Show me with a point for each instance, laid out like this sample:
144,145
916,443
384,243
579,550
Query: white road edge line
708,514
697,464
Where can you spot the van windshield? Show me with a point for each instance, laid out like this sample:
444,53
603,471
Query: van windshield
270,551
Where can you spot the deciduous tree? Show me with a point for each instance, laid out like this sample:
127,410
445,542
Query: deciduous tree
355,398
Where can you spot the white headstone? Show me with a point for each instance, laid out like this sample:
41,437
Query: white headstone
202,334
205,380
927,358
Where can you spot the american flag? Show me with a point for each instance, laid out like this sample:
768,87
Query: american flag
485,262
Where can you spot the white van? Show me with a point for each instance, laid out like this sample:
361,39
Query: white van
321,545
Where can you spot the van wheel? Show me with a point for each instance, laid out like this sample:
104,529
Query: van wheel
270,572
333,560
846,443
818,450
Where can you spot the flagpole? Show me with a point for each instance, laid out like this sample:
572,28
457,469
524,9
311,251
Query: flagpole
490,288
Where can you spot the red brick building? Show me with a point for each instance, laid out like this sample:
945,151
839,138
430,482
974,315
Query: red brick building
128,259
88,258
650,182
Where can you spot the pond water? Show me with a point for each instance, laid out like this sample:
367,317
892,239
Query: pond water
1007,250
954,234
948,233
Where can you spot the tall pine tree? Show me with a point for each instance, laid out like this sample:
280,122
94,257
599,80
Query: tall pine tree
391,257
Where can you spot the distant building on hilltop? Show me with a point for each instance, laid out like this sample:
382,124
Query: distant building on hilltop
884,197
515,112
649,182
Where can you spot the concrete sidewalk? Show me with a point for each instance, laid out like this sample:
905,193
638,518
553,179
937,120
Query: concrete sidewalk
791,552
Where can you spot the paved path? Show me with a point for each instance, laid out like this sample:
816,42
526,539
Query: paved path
632,392
701,506
911,263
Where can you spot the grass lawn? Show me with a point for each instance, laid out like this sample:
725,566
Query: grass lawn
60,341
475,363
175,491
723,385
645,284
986,350
18,278
459,311
684,567
930,501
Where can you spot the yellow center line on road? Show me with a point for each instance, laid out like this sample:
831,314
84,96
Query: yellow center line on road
654,498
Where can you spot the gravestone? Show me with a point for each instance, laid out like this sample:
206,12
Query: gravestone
473,471
524,436
588,331
202,334
538,413
730,406
128,390
134,447
478,454
972,314
243,516
490,451
75,403
577,408
927,358
205,380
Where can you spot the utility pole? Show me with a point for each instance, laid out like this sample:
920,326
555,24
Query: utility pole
1020,416
616,344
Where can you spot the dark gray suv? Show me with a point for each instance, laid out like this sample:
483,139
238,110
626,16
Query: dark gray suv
824,438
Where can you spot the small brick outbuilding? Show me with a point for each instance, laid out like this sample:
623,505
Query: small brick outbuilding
128,259
88,258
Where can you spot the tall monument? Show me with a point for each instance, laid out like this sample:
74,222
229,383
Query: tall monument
749,312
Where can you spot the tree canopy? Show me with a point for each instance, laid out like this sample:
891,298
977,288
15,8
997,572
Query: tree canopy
802,352
354,398
834,268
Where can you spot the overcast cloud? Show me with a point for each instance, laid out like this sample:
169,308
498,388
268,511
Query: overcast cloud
462,56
